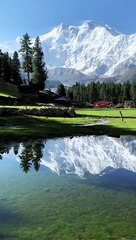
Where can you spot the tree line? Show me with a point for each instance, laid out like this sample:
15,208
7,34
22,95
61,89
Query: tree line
113,92
10,68
32,65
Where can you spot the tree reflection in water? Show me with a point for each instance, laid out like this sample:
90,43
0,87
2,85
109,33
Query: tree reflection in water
30,155
5,148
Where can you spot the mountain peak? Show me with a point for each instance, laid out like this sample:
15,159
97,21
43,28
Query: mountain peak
89,24
91,48
63,26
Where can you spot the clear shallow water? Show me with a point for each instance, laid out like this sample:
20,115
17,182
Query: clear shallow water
78,188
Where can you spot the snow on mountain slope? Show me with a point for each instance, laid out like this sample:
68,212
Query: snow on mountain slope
92,154
91,48
10,46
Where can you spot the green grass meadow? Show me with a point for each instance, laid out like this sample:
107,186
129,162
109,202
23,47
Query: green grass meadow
115,113
48,127
115,125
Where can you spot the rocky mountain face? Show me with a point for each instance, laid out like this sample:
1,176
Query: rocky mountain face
95,50
86,52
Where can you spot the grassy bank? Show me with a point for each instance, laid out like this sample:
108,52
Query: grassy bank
115,113
7,94
7,90
116,125
48,127
43,127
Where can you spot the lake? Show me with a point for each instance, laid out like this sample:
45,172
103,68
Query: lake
78,188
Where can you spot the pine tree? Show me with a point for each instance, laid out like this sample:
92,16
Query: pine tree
37,154
16,69
1,54
5,67
76,92
133,92
26,52
92,92
103,92
61,90
125,91
26,157
39,75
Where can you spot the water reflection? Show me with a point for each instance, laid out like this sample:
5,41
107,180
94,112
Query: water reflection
32,153
97,155
28,153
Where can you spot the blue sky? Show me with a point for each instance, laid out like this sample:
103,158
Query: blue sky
37,17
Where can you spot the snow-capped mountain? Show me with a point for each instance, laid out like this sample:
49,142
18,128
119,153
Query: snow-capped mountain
92,154
91,49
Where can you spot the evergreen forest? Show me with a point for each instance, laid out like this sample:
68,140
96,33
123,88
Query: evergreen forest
113,92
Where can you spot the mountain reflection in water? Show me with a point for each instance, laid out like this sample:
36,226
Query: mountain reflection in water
79,155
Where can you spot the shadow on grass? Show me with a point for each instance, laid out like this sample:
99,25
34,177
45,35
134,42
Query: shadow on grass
34,127
113,131
24,127
106,116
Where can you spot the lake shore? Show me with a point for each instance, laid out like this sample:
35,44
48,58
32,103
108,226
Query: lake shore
28,126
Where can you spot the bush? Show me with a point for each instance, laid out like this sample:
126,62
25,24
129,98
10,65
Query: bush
24,88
